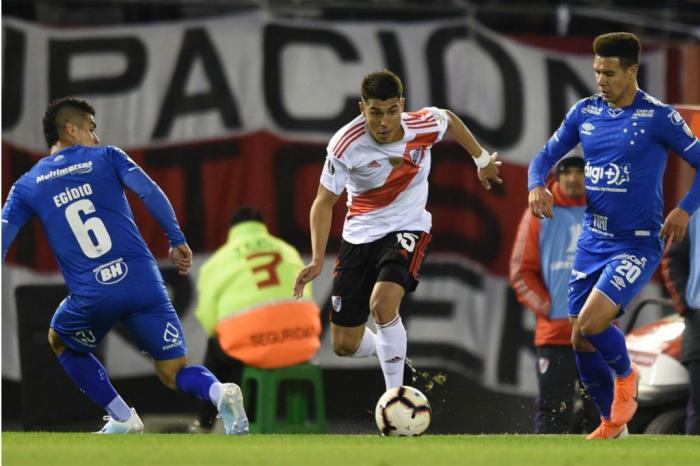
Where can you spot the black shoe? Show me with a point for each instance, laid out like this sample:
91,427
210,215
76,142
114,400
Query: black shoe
410,375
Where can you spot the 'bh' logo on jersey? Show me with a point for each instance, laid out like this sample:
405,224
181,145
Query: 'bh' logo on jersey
111,272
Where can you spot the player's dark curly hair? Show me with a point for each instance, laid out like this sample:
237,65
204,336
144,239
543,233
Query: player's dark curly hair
62,111
381,85
624,45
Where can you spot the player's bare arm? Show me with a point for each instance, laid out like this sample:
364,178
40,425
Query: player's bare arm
320,221
675,225
487,163
541,202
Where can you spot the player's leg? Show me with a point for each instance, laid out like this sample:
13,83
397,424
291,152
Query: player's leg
621,279
690,356
73,336
595,325
398,262
556,374
692,423
355,342
391,334
594,372
224,367
353,279
90,376
159,332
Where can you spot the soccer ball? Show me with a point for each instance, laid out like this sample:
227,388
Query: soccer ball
402,411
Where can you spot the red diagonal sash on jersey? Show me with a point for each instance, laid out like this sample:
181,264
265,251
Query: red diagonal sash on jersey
398,180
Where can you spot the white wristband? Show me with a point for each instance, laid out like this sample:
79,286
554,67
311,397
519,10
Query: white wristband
482,160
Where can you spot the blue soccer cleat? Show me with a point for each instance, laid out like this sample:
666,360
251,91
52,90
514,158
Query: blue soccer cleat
133,425
231,410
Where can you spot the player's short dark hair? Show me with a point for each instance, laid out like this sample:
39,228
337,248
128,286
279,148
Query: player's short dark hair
381,85
247,213
573,161
623,45
61,111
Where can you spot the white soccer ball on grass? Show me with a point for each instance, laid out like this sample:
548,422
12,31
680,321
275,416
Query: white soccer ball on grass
403,411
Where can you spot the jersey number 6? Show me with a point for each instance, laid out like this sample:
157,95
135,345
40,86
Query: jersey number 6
95,245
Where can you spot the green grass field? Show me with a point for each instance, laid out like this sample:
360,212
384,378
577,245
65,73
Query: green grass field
73,449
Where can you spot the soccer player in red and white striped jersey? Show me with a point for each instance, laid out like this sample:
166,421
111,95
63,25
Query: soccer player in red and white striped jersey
382,158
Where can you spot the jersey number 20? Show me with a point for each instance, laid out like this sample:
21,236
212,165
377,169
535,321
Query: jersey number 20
93,245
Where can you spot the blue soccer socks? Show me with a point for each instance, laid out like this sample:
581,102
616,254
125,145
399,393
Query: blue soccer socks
611,344
598,380
198,381
90,376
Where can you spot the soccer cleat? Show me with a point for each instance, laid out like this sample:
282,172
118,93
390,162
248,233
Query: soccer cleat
410,375
624,403
608,430
231,410
133,425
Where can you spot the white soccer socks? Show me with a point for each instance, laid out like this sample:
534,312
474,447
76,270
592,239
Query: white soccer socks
391,351
368,345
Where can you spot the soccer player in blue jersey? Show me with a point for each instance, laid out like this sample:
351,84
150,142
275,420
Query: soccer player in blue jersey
625,134
77,192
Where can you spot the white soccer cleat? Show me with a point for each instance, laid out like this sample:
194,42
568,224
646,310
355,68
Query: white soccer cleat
231,409
133,425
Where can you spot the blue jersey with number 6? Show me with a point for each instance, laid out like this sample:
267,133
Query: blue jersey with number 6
78,195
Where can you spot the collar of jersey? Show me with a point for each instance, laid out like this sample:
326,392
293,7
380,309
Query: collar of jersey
637,98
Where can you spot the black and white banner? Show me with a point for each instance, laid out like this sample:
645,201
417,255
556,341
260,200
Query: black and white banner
263,91
203,79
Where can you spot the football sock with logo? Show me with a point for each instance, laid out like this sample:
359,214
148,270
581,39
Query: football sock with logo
368,345
391,351
597,378
611,344
199,381
90,376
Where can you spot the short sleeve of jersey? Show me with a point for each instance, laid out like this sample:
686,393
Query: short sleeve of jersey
440,117
334,175
16,210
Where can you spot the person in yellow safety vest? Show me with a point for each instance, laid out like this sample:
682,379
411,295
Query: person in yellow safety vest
247,308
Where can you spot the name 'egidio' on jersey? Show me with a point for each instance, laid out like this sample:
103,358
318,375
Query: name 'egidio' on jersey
387,184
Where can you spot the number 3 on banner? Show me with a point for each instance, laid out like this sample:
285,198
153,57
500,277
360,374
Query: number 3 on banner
95,245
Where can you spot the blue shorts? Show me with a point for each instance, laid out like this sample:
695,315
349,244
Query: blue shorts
149,317
618,269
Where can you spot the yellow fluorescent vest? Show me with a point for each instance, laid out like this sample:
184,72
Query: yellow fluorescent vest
245,298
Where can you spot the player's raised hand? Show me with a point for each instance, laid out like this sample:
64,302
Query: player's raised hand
181,256
489,174
541,202
676,224
305,275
